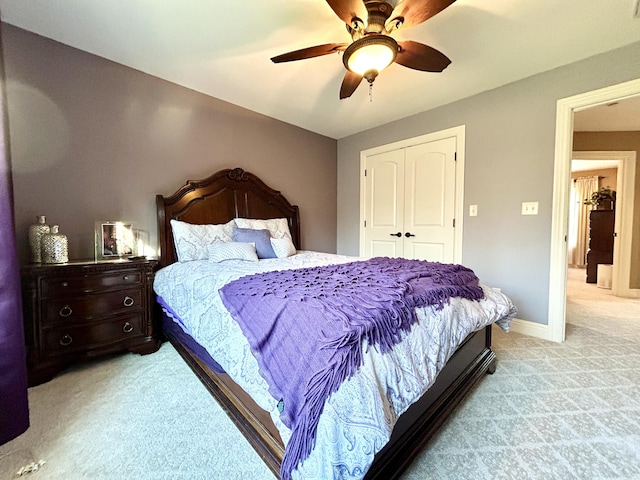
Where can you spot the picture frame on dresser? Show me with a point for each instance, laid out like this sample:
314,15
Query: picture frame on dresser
114,239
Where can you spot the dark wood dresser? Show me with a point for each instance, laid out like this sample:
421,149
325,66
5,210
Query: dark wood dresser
85,309
601,236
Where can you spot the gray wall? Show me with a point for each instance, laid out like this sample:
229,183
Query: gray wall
510,143
94,140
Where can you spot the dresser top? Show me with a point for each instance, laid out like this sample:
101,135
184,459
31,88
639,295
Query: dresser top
89,264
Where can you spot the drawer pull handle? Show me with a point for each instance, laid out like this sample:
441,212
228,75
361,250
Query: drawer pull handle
126,277
66,340
65,284
127,328
65,311
128,301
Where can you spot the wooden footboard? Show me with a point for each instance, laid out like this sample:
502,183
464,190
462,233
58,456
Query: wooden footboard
414,428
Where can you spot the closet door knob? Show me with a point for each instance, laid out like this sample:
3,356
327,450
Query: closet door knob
396,234
409,235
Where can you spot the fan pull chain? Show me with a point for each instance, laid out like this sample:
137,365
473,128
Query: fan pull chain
371,92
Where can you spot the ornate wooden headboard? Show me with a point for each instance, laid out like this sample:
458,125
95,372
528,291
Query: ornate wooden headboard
217,199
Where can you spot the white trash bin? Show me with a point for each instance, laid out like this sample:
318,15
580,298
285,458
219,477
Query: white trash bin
605,272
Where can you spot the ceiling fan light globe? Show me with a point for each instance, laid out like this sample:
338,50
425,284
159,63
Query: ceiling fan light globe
373,52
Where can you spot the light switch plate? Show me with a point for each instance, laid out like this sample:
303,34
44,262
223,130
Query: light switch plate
529,208
473,210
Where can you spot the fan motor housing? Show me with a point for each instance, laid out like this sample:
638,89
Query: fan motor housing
378,13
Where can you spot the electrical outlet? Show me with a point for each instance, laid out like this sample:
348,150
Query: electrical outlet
473,210
529,208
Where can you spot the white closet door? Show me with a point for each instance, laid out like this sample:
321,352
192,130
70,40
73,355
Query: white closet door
384,204
410,202
429,207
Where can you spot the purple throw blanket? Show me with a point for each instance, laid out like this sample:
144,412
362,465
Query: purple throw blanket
307,328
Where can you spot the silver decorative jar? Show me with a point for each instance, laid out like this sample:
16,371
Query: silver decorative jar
55,247
35,238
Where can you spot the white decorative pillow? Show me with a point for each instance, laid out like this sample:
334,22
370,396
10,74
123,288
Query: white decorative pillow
278,227
219,252
283,247
191,240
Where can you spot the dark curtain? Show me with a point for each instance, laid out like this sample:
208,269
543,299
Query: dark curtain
14,410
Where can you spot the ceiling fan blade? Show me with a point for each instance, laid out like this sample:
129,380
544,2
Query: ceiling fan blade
349,84
414,12
347,10
421,57
310,52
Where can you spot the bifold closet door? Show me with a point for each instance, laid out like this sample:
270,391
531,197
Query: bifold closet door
410,202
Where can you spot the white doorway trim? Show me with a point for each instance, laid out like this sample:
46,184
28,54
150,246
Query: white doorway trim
561,182
624,216
459,133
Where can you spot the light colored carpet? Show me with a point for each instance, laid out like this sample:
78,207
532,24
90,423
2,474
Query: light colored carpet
130,417
556,411
551,411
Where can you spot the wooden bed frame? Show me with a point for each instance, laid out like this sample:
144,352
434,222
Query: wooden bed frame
235,193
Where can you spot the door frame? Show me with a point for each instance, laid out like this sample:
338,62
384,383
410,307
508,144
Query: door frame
457,132
555,328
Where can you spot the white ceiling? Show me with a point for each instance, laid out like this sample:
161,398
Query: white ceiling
223,49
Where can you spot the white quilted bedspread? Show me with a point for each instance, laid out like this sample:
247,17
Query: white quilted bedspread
357,419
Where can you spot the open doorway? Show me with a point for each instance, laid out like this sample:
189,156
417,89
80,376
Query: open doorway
561,195
605,237
592,207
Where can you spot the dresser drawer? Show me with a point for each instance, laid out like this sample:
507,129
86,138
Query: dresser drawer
56,286
73,338
87,307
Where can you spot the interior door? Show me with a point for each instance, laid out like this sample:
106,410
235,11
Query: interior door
384,200
410,202
430,201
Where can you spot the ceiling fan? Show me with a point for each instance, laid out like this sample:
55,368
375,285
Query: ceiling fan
370,24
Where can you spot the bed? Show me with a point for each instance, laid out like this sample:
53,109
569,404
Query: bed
235,193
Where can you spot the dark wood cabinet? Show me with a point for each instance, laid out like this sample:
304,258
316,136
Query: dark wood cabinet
601,235
81,310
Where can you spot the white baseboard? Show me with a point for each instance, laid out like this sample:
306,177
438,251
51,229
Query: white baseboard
532,329
629,293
